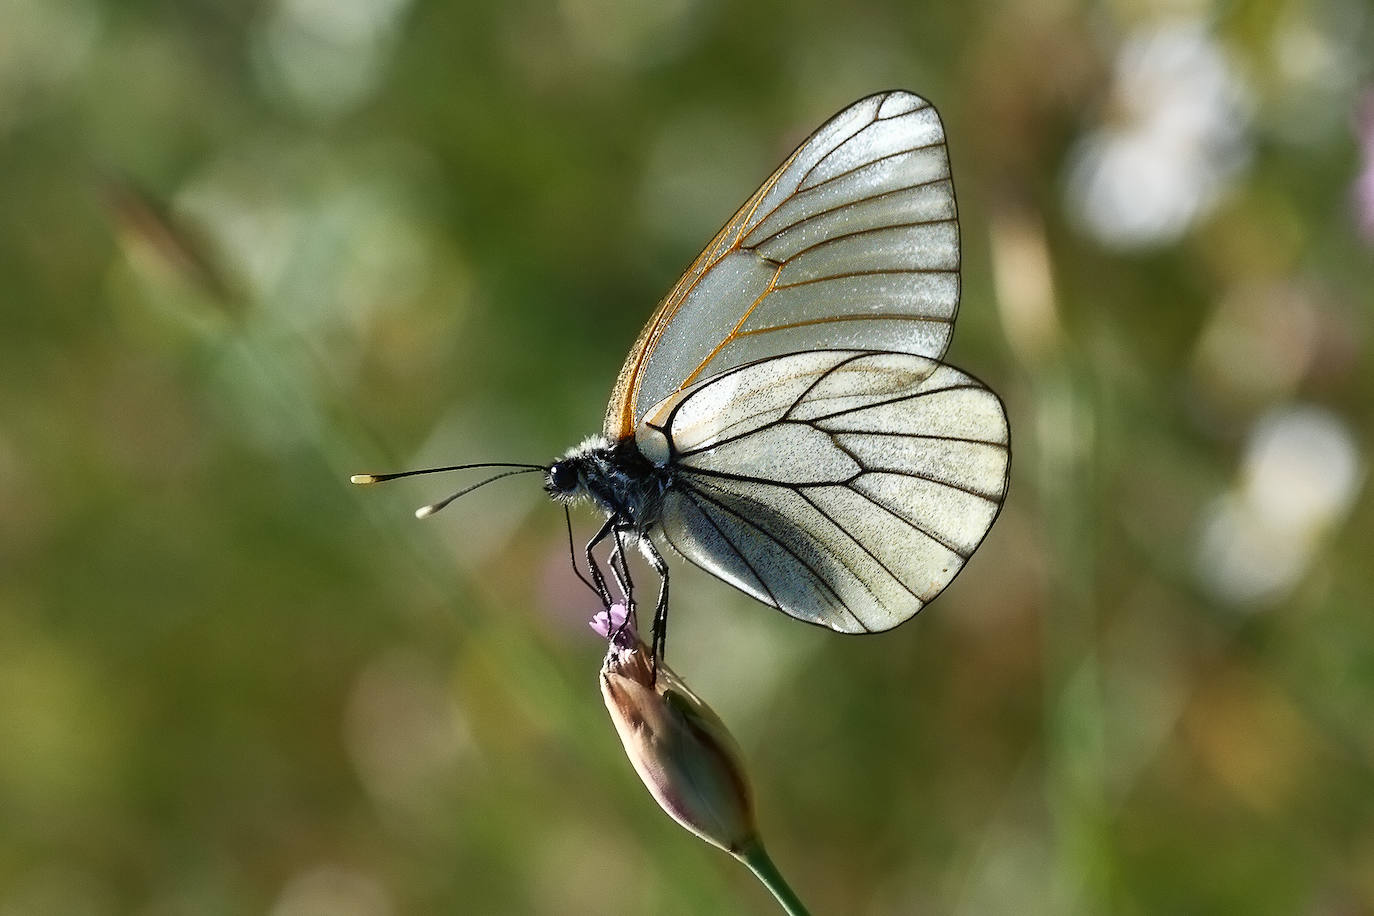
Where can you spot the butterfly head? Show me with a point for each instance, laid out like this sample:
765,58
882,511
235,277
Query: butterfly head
573,474
563,479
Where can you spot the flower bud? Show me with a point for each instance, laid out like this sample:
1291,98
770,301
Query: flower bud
678,746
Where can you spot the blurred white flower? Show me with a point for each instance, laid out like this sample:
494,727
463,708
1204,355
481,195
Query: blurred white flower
1175,138
1300,475
327,56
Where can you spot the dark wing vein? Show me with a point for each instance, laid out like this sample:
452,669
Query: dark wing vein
822,377
838,207
862,546
936,480
853,573
896,400
870,432
835,319
785,417
902,518
861,165
689,471
882,117
815,165
691,493
792,553
870,273
870,231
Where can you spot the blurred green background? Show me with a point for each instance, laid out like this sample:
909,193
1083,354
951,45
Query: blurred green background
247,249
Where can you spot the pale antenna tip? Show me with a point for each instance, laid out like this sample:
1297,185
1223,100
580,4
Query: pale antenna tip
426,511
363,478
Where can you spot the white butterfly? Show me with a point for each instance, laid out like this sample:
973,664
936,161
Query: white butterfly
783,420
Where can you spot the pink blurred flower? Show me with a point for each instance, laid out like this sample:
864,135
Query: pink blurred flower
1174,137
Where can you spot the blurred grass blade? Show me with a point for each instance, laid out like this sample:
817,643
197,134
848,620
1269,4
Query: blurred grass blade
161,244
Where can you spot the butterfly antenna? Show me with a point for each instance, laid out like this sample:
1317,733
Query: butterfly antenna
427,511
572,553
365,479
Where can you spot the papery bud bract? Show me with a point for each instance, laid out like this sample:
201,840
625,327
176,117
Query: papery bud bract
679,747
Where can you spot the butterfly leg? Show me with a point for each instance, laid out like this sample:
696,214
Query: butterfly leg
620,568
598,578
660,628
572,553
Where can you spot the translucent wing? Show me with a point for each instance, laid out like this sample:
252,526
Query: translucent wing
845,488
852,242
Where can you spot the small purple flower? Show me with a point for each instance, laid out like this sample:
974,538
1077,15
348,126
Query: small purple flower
607,623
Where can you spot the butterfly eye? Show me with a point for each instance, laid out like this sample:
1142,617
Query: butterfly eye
563,476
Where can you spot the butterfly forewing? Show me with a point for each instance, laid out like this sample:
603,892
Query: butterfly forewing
852,240
845,488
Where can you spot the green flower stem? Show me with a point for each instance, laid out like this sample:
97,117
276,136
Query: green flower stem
756,857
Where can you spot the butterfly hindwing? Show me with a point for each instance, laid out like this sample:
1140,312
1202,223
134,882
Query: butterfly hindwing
845,488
